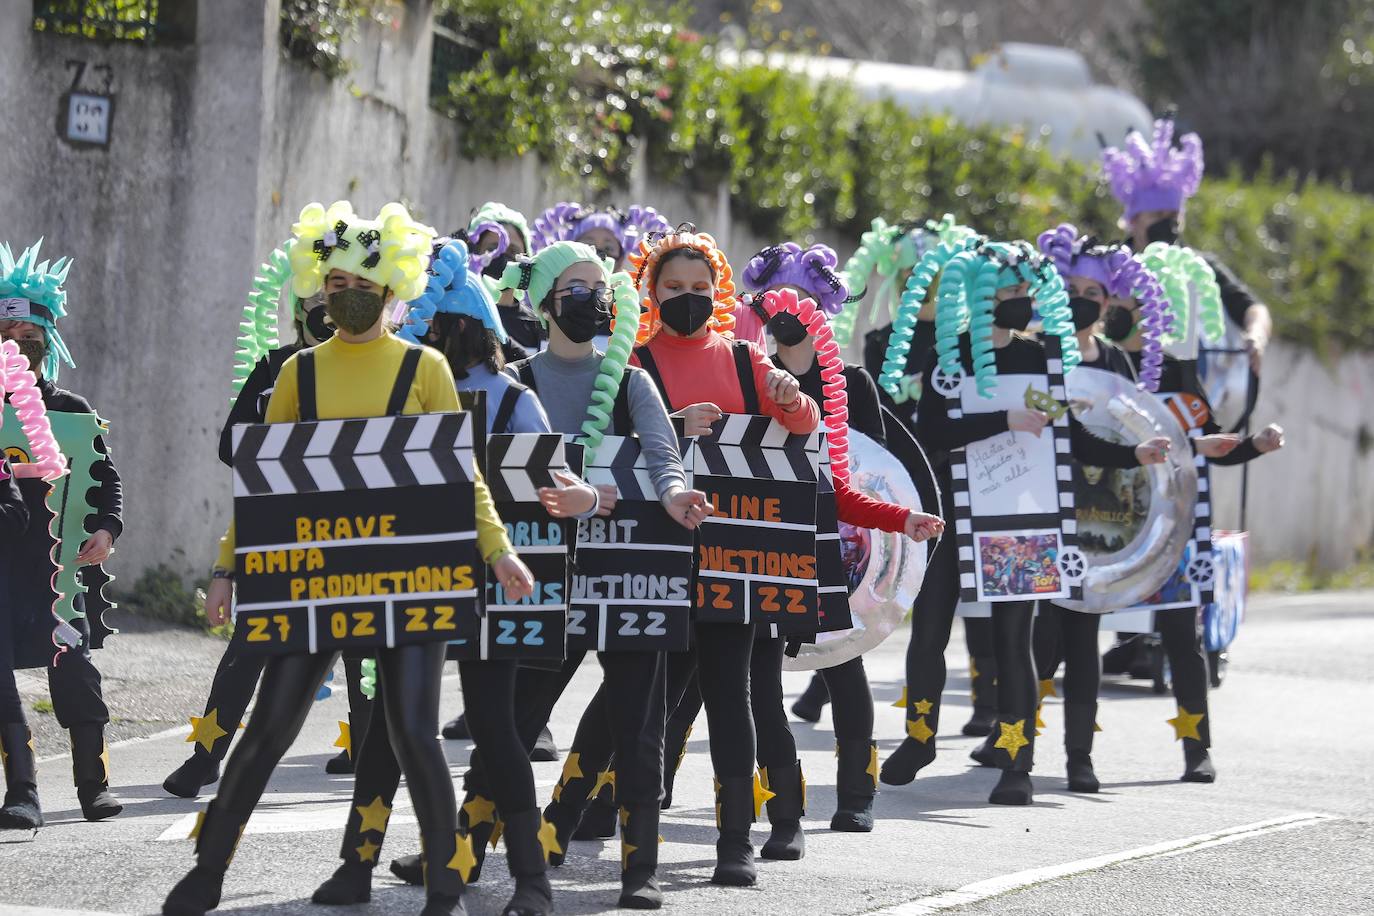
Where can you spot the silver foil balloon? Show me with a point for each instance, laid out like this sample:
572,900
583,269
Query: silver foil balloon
885,570
1134,524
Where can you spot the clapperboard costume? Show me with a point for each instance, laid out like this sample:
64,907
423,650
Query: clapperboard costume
337,544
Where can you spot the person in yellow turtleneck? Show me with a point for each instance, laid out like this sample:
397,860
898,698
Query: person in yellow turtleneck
362,265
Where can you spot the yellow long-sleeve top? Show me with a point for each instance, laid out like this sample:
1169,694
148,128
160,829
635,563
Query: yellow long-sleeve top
355,380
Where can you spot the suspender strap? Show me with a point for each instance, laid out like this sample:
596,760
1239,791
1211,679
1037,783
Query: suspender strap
276,359
646,362
405,379
305,387
525,370
744,368
501,422
621,423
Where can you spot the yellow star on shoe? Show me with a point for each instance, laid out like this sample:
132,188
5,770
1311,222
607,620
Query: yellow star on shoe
761,795
1185,724
479,811
374,816
923,707
626,849
345,739
919,730
367,852
205,730
463,861
901,701
604,778
1013,737
1047,689
572,768
548,838
873,764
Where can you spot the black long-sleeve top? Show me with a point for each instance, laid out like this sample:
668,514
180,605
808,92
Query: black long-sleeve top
251,404
1022,355
1180,376
875,354
14,514
865,411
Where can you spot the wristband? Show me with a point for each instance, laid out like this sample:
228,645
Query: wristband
220,572
596,503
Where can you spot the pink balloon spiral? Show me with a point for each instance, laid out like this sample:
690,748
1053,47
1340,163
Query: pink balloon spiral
18,382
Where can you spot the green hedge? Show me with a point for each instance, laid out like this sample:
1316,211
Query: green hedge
587,84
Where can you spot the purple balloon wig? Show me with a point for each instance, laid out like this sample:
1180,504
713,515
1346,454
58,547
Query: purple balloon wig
569,221
812,270
1156,175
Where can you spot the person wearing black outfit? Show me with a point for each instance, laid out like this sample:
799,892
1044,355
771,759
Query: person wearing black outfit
73,680
20,810
236,676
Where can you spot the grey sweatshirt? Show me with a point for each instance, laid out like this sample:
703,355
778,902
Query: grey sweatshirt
565,389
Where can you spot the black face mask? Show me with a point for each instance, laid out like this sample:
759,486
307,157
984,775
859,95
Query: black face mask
1085,312
1013,314
497,266
581,317
787,329
1163,230
686,313
354,310
1119,323
316,326
36,352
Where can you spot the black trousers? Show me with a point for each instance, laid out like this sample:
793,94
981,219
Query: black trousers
1180,632
932,621
1062,635
408,680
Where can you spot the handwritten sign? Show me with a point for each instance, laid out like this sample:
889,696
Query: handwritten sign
1011,473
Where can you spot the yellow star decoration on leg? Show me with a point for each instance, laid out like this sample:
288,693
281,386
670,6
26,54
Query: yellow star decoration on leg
548,838
367,852
923,707
919,730
761,795
205,730
972,668
479,811
626,850
345,739
496,832
1039,720
374,816
873,764
624,817
901,701
463,861
1047,689
105,760
1013,737
604,778
1185,724
572,767
195,828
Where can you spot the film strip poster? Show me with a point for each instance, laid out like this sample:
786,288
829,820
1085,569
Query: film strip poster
339,545
1014,519
534,627
631,589
756,556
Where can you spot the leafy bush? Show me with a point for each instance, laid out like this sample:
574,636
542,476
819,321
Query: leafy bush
315,31
588,85
161,593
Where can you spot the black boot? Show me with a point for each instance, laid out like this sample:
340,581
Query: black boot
351,883
1193,727
918,750
811,703
856,782
91,772
570,797
199,770
639,888
599,820
456,729
675,736
1015,750
478,821
217,835
1080,721
786,840
545,748
1014,788
982,672
21,810
526,837
735,813
985,754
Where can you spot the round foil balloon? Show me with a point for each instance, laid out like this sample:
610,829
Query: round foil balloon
884,570
1133,524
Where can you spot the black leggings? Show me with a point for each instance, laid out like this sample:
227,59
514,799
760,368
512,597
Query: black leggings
408,685
1181,635
1070,637
720,658
11,707
932,621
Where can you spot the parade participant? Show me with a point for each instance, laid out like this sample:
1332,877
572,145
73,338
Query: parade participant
573,289
1153,181
484,239
1002,285
20,809
811,273
363,371
32,300
236,676
457,317
1178,628
612,232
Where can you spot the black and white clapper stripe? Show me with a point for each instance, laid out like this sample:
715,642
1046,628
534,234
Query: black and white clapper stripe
519,464
751,446
328,456
620,462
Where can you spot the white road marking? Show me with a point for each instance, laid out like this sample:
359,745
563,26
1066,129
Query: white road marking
993,887
12,910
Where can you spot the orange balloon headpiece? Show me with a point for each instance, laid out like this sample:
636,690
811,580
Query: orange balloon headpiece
648,256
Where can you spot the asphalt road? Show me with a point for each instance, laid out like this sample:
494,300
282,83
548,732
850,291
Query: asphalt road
1286,829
